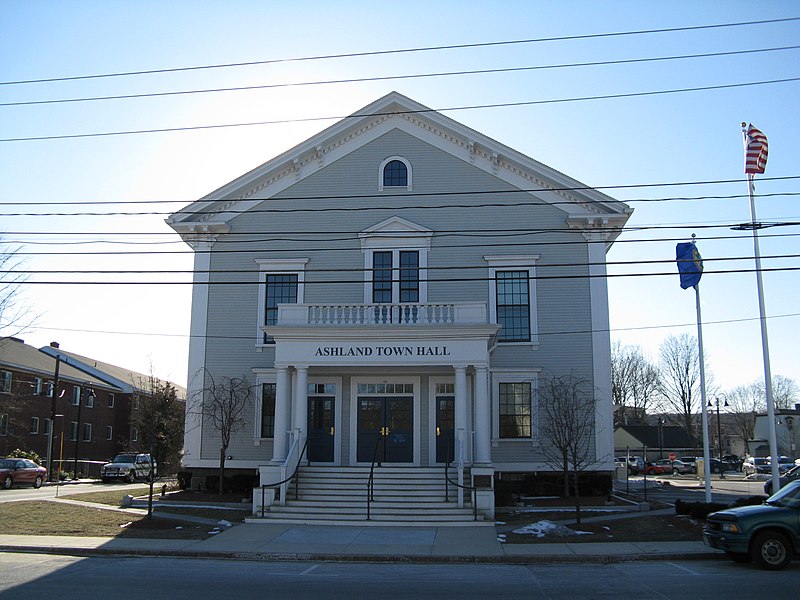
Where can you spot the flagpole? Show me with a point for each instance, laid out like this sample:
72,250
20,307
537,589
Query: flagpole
706,452
754,226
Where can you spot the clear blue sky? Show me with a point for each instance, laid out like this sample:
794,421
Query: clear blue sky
667,138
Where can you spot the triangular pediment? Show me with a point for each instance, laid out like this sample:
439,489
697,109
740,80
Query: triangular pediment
398,229
396,111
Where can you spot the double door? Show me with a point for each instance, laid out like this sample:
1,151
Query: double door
385,429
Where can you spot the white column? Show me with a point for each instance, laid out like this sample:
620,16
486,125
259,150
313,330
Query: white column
483,417
461,413
282,413
301,403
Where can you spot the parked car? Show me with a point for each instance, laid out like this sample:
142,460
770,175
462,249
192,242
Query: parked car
691,461
635,465
681,468
127,467
661,467
721,466
768,534
785,479
755,464
17,471
784,464
734,459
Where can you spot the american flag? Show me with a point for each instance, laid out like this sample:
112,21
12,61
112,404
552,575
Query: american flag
755,158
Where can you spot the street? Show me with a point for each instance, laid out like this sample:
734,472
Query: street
32,576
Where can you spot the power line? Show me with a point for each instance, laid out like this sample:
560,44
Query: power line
406,195
428,110
326,282
307,250
540,333
358,270
405,50
498,70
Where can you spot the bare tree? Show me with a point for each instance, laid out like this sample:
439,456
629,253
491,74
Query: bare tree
784,391
15,316
222,407
634,383
569,407
160,422
679,383
744,403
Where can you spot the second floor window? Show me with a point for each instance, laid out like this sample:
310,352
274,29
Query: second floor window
5,382
395,276
281,282
281,289
76,395
513,306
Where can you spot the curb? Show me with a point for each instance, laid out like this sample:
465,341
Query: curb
363,558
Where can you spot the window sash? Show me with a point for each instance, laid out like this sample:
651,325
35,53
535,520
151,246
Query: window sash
268,393
395,174
515,410
280,288
513,306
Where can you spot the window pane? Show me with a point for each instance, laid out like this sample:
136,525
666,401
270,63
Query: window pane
515,410
513,306
409,276
268,410
395,174
382,277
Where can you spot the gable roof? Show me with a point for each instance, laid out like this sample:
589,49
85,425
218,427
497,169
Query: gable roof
671,436
19,356
585,207
126,380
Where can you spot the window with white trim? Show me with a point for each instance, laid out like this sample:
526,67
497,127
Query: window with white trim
38,386
111,399
281,281
515,406
76,395
87,432
47,426
134,434
267,410
73,430
4,424
512,297
34,425
109,432
395,172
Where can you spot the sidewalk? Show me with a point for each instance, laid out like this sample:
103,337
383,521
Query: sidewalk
271,542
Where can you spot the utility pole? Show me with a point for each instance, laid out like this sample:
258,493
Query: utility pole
53,395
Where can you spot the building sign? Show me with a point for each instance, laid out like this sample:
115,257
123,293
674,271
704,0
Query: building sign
382,351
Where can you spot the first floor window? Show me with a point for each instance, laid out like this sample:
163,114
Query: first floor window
515,410
268,410
87,432
5,382
73,430
134,434
47,423
109,432
34,424
4,424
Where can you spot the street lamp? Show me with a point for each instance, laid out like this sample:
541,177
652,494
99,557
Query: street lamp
719,428
661,422
89,394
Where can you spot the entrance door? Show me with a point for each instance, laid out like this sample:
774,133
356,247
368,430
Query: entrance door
385,423
320,428
445,428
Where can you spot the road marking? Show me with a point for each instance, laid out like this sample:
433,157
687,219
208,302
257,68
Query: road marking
309,569
690,571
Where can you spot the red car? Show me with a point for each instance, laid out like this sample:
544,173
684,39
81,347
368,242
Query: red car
662,467
21,471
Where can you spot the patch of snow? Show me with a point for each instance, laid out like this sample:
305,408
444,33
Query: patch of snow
543,528
224,523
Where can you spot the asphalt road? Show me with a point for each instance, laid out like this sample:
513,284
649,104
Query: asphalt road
31,576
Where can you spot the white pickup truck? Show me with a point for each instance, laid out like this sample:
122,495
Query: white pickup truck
127,467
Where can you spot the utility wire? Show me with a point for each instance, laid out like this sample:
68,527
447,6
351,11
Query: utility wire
498,70
427,110
406,195
405,51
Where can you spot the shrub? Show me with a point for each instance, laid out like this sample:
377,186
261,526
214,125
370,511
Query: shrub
698,510
184,479
29,454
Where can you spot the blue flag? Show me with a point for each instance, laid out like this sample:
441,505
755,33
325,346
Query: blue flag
690,264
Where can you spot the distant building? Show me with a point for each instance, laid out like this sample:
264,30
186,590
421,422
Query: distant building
787,433
95,403
656,442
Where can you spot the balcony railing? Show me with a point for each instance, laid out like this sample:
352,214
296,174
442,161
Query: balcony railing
343,315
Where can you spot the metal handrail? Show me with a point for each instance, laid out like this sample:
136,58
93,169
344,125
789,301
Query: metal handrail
292,476
472,489
371,480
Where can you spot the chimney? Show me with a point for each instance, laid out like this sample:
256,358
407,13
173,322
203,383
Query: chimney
54,345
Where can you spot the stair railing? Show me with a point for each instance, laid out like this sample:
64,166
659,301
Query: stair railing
283,483
371,481
447,481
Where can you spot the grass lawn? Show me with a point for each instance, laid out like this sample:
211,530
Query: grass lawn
37,517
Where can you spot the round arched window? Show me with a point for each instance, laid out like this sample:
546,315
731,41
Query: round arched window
395,174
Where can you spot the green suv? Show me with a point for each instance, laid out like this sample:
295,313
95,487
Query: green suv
768,534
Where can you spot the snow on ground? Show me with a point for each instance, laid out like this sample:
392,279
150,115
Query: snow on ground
543,528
